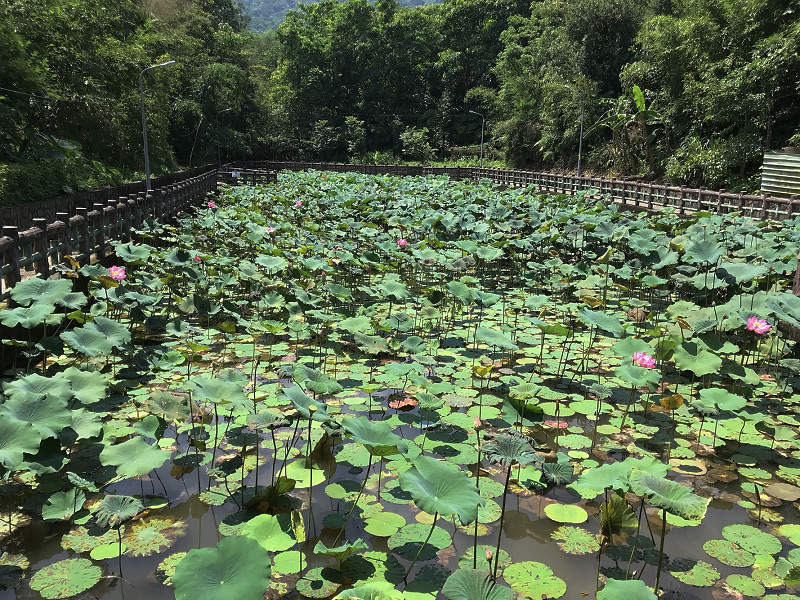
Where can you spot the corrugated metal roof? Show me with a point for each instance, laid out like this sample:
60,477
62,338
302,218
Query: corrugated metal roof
780,175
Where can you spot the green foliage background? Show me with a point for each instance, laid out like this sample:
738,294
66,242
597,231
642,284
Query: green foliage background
690,91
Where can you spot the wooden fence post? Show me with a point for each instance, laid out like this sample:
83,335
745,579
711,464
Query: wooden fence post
41,246
14,275
65,236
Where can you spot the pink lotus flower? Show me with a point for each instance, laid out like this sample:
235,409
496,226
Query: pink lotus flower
476,423
299,203
117,273
488,554
198,258
212,204
644,360
270,230
760,326
402,242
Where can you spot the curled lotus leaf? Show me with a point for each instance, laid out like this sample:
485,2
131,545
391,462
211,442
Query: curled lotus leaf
439,487
669,495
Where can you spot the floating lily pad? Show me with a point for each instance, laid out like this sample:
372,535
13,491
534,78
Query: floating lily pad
702,574
166,568
632,589
465,562
105,551
751,539
384,524
65,578
320,582
746,585
408,540
728,553
236,569
575,540
566,513
534,580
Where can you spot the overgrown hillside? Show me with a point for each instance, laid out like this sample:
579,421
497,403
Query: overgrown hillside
688,91
268,14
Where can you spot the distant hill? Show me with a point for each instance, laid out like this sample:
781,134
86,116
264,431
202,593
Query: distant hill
268,14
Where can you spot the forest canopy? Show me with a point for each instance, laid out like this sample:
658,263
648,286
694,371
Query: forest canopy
688,91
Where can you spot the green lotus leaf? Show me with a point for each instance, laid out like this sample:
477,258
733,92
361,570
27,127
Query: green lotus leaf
40,291
316,380
88,387
384,524
507,449
34,387
134,457
268,532
355,325
147,537
371,344
63,505
608,323
631,589
746,585
378,437
474,584
534,580
723,399
302,403
638,376
65,578
236,569
218,391
575,540
114,510
494,339
566,513
40,313
342,551
133,253
439,487
701,574
740,272
378,590
728,553
752,539
16,438
319,582
615,476
88,341
272,264
690,356
410,540
669,495
47,415
704,251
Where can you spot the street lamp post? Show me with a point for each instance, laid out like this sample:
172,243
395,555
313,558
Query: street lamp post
483,122
144,120
580,137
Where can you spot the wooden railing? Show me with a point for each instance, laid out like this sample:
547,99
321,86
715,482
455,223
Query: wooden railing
633,194
86,233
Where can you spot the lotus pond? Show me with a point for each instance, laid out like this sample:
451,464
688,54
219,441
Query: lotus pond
377,387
